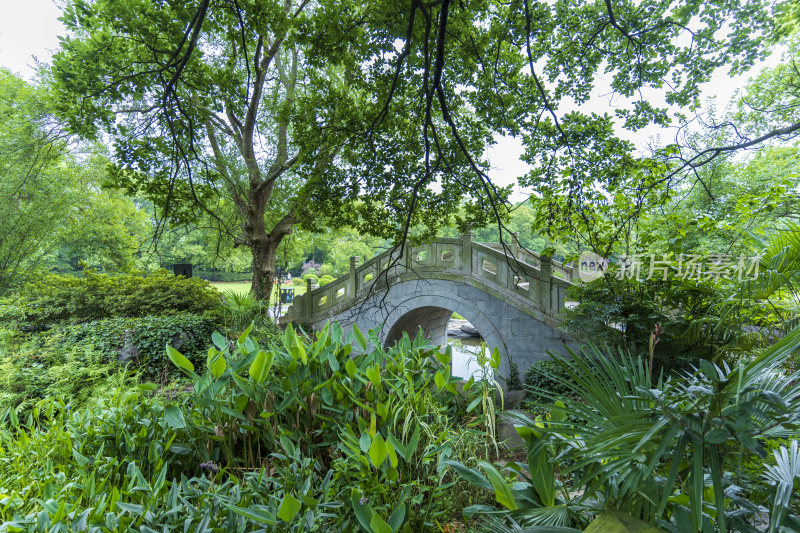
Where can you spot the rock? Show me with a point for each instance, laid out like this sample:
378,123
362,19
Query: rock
616,522
461,329
513,399
129,352
457,334
507,434
470,330
179,339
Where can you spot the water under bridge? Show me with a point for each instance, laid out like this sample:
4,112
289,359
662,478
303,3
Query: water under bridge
511,295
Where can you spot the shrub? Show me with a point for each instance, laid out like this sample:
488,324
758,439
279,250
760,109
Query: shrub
545,380
311,275
324,280
240,310
143,339
308,437
63,299
298,281
327,270
77,363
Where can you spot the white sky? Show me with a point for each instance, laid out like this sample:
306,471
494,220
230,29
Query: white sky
29,29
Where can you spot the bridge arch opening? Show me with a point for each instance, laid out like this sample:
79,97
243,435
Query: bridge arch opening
434,321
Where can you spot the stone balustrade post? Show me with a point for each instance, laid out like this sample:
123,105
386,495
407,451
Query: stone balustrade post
308,300
408,255
467,239
546,269
352,283
514,245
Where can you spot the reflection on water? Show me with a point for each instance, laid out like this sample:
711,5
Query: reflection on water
465,361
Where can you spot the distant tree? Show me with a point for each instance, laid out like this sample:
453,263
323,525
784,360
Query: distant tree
53,211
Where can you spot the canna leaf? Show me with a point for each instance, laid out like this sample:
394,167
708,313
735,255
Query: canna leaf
178,359
289,508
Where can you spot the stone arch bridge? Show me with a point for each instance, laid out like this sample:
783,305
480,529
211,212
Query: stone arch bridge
512,296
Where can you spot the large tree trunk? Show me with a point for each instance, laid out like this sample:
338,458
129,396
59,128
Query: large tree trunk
263,268
264,249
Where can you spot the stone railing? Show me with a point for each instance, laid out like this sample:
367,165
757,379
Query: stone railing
538,280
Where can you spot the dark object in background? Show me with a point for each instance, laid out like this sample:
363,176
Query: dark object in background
182,269
287,295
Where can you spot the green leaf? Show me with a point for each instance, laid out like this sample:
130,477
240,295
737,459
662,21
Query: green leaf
378,524
542,470
333,362
130,507
364,442
374,375
558,413
360,339
219,340
288,338
392,455
350,368
502,492
363,512
257,515
474,404
178,359
245,334
397,445
289,508
473,475
412,445
717,436
399,514
299,351
438,378
468,385
257,366
495,360
377,450
216,362
174,417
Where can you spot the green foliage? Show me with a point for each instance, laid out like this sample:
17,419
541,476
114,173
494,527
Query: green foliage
514,382
46,368
310,275
128,463
299,282
53,212
142,338
76,363
307,436
623,313
547,376
62,299
382,421
241,310
667,450
324,280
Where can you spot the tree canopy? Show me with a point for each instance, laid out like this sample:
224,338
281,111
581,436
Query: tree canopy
377,114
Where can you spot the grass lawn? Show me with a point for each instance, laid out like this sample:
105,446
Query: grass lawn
237,286
244,287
